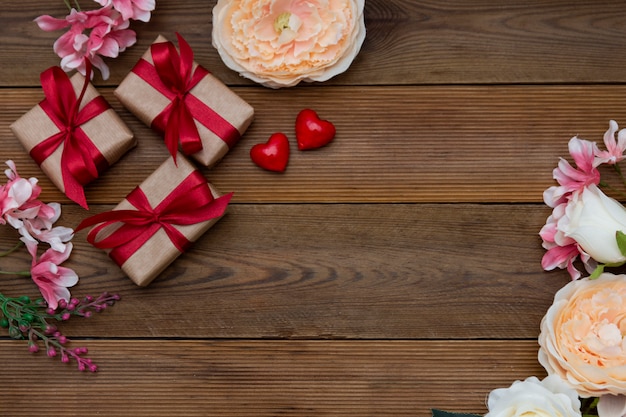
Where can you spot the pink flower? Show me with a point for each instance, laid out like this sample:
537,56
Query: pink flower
51,278
15,194
131,9
615,149
39,227
91,35
561,250
572,179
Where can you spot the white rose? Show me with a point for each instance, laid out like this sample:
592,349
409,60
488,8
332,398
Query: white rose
532,397
279,43
592,219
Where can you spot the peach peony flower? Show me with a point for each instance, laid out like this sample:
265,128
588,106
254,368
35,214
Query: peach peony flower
583,336
279,43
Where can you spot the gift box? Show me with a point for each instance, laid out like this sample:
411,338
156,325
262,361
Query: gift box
196,112
73,133
158,220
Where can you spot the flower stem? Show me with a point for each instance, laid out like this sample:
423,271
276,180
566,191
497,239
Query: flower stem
13,249
69,5
619,172
21,273
609,187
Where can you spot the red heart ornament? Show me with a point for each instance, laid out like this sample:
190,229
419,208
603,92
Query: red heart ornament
272,155
311,131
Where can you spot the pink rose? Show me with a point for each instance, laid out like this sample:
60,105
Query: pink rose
279,43
583,336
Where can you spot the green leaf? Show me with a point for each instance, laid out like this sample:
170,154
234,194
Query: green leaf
597,272
620,237
441,413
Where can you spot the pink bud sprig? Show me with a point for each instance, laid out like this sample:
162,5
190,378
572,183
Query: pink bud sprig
31,320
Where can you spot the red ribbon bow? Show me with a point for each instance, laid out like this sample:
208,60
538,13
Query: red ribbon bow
81,160
173,76
189,203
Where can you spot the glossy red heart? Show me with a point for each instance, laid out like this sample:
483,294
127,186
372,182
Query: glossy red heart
272,155
311,131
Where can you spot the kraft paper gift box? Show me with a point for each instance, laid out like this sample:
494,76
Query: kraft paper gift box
165,84
143,243
72,147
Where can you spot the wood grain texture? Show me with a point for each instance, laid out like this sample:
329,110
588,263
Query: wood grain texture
434,144
265,378
394,271
333,271
408,42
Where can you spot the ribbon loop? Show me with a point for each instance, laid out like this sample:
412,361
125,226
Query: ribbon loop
191,202
81,160
173,75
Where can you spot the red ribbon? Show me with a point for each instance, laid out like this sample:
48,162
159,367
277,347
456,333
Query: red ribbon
189,203
173,76
81,160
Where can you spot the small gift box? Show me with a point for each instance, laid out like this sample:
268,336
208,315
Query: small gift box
197,113
73,133
158,220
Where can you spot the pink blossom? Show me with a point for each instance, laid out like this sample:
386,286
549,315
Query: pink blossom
615,149
562,251
572,179
51,278
131,9
15,194
91,35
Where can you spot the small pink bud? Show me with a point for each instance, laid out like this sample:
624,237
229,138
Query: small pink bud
51,352
65,358
33,348
66,316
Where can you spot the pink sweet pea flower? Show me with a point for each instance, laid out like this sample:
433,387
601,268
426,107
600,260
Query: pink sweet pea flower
51,278
15,195
131,9
562,251
91,35
615,149
572,179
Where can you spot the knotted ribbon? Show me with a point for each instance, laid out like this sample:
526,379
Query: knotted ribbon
189,203
81,160
173,76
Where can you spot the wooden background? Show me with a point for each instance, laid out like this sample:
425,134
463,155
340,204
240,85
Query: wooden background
394,271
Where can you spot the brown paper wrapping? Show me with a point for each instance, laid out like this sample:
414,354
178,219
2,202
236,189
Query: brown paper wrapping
159,252
147,103
107,131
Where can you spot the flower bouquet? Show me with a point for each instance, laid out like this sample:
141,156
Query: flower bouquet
583,334
32,319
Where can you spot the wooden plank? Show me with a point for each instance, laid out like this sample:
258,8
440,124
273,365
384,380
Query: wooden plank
408,42
431,144
330,271
265,378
